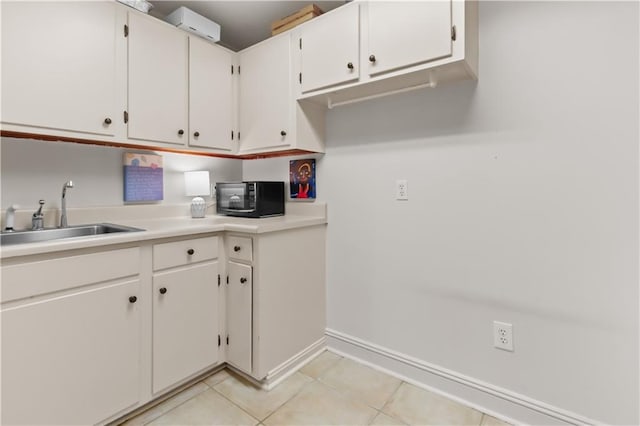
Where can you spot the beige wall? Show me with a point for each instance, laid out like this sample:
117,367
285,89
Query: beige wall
34,170
523,208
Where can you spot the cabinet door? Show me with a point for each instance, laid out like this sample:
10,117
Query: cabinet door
239,316
265,95
71,359
406,33
329,51
210,95
158,81
58,65
185,323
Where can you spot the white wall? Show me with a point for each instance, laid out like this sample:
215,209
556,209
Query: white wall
523,208
34,170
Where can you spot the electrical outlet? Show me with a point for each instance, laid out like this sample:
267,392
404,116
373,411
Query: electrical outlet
503,335
402,190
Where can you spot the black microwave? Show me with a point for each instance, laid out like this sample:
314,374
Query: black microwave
250,199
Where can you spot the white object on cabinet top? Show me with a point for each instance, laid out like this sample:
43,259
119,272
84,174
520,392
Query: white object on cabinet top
190,21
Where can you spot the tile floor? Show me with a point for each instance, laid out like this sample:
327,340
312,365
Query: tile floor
330,390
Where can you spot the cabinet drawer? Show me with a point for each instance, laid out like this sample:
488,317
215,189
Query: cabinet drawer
48,276
177,253
240,248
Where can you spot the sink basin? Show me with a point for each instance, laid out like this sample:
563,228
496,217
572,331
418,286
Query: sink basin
23,237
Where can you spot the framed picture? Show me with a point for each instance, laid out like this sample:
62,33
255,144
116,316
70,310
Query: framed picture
302,179
143,177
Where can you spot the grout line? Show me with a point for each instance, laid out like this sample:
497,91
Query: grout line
349,395
262,390
172,408
399,422
172,397
232,402
222,381
482,419
292,396
391,397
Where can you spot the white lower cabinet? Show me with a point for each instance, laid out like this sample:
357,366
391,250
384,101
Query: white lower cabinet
239,317
185,323
185,310
71,356
275,299
90,335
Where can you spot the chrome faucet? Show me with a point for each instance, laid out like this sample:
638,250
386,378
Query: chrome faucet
37,221
63,212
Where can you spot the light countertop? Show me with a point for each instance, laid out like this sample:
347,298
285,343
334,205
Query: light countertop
167,227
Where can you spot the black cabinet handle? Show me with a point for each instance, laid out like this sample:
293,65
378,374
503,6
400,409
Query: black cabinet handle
163,290
196,134
107,120
181,132
372,58
243,280
133,299
350,65
283,133
190,252
236,248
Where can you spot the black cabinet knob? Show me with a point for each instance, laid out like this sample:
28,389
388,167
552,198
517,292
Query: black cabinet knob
181,132
190,252
283,133
196,134
243,280
107,120
236,248
350,65
163,290
133,299
372,58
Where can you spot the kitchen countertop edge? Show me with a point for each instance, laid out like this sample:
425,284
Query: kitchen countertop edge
154,229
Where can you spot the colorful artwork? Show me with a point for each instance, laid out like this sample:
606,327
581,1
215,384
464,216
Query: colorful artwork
302,179
143,176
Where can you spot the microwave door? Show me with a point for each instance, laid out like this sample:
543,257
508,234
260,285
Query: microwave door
235,202
232,196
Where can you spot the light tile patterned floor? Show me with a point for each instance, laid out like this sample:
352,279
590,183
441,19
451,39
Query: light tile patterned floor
330,390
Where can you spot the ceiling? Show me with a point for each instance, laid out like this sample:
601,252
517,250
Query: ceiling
242,23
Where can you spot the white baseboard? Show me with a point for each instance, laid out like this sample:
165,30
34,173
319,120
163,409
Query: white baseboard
493,400
293,364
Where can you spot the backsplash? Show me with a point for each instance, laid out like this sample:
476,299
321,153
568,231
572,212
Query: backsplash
34,170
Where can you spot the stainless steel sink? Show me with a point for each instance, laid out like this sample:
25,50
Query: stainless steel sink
23,237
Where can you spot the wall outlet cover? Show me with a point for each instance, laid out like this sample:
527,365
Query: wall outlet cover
402,189
503,335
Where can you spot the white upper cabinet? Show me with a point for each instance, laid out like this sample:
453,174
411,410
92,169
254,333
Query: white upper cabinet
270,118
59,67
158,81
403,45
265,95
329,49
70,70
210,96
407,33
